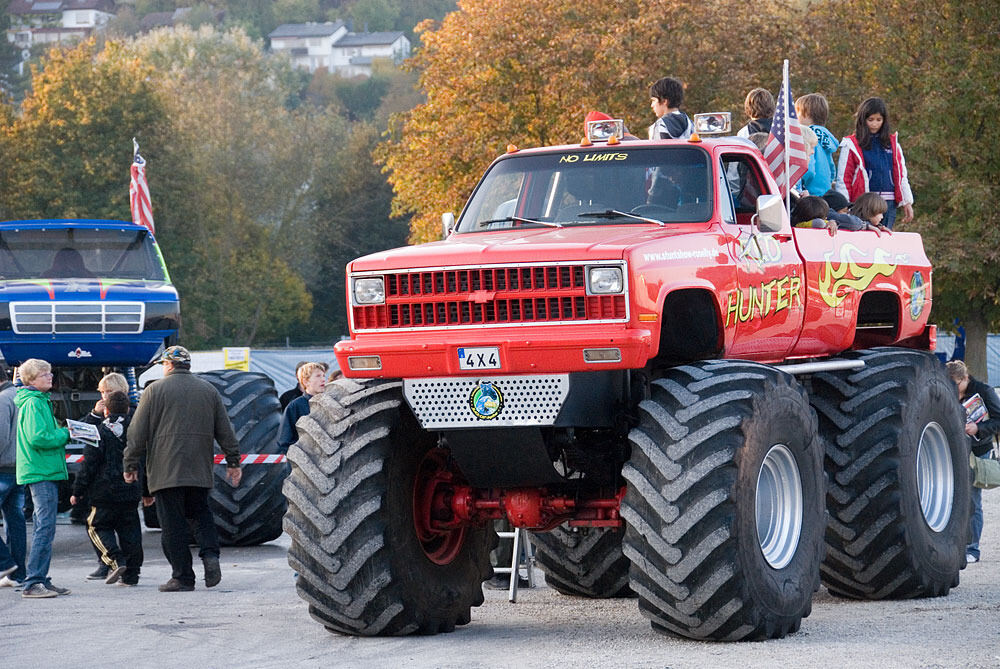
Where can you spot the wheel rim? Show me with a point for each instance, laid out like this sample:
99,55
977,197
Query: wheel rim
779,506
935,481
441,546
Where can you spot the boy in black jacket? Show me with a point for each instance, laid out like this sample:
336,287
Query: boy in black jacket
114,503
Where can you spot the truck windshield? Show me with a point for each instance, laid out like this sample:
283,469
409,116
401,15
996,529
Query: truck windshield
79,253
603,186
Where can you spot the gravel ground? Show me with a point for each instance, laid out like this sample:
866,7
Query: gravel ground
255,619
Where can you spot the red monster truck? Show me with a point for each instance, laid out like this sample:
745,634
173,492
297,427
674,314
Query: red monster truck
625,348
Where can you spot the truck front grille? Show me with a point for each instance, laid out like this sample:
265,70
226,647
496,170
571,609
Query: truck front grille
77,317
488,296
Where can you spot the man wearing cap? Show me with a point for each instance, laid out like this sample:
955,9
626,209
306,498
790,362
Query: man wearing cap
173,430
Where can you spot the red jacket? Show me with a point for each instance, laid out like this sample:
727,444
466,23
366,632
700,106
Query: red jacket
852,178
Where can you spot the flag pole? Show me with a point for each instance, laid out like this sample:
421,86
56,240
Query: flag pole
788,181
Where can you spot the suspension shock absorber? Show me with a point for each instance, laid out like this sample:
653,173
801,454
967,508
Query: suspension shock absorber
133,386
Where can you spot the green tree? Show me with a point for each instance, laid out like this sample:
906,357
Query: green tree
238,174
352,219
297,11
373,15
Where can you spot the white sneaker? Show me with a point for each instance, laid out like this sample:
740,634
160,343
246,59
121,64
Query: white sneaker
8,571
970,558
8,582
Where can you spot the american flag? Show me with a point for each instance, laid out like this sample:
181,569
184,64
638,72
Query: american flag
138,192
786,134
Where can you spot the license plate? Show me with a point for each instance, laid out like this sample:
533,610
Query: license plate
481,357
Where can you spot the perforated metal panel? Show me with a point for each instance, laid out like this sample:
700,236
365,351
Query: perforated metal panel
448,402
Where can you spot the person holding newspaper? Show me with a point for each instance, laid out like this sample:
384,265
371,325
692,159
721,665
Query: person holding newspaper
113,521
983,423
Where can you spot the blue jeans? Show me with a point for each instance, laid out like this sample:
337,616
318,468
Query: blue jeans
889,219
45,495
975,522
12,552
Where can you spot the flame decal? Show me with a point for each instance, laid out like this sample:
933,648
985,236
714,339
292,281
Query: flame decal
837,279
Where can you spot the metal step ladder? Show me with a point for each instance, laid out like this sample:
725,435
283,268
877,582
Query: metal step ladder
522,557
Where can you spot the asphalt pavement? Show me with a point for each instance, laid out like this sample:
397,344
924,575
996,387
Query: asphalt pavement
254,618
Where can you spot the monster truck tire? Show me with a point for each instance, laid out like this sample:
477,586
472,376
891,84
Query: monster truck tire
361,565
250,513
583,561
724,504
897,464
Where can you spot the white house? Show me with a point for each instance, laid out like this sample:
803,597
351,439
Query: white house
330,45
310,45
47,21
354,53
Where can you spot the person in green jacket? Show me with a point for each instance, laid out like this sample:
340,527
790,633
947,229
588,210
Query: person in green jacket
41,463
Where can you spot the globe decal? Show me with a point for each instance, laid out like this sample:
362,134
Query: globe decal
918,295
486,401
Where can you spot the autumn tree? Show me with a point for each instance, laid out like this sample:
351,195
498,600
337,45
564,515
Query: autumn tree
490,81
71,145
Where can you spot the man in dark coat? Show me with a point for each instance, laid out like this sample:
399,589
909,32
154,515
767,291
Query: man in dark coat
173,430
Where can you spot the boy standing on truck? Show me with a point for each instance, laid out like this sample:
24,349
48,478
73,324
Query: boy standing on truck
114,503
666,96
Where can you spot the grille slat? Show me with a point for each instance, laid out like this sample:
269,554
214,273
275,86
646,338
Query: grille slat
488,296
77,317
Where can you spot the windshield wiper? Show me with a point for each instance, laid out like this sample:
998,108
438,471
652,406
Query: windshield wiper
614,213
519,219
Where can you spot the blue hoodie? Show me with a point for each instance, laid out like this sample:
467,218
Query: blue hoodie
821,173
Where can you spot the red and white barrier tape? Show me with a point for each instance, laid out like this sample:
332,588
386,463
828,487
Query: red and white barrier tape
249,459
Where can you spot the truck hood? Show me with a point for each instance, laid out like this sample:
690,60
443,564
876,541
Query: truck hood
86,290
589,242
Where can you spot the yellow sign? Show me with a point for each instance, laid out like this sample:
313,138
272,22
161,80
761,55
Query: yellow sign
837,280
236,358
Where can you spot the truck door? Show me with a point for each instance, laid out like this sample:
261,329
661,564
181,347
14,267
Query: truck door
763,313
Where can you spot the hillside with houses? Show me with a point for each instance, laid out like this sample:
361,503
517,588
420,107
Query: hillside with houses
333,45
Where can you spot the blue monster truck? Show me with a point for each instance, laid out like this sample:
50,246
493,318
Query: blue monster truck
94,296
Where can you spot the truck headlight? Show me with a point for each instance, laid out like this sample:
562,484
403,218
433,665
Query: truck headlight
369,290
605,280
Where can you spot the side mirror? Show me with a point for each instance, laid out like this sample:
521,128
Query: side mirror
447,224
770,213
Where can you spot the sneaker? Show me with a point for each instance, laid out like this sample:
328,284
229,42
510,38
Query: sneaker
100,574
38,591
8,582
173,585
56,589
114,575
127,585
970,558
7,572
213,572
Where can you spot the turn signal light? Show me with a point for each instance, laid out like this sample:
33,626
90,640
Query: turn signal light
361,362
602,355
